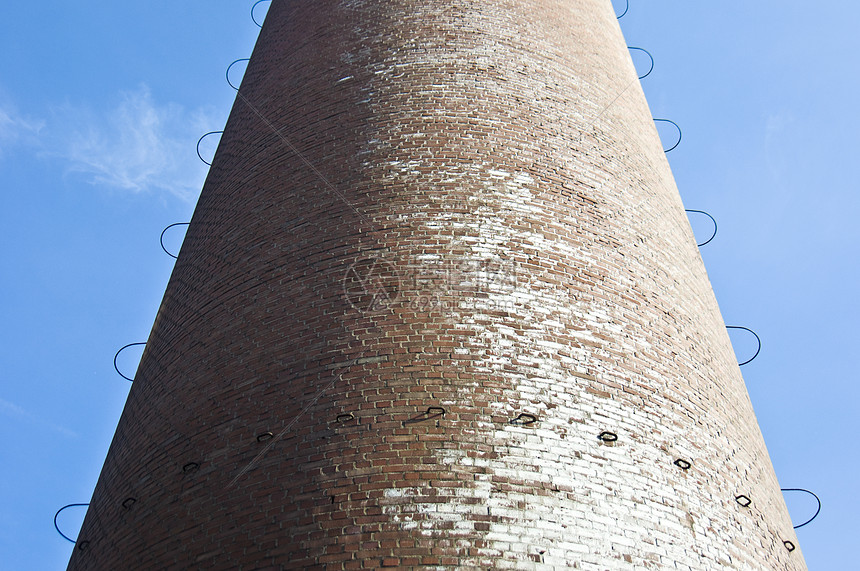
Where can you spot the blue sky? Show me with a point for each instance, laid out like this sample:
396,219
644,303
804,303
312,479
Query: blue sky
102,103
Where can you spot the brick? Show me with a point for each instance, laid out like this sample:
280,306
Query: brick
451,204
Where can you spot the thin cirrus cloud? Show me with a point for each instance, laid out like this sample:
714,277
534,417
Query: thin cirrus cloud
138,146
16,129
18,413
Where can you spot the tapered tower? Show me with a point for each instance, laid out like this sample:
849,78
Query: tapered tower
439,306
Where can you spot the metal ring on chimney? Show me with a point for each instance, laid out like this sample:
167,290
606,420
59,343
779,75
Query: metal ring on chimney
524,419
683,464
680,134
647,53
161,239
714,235
227,74
116,367
252,11
607,436
627,7
817,499
757,338
200,140
57,527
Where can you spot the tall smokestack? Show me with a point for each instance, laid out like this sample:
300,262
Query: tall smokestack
439,306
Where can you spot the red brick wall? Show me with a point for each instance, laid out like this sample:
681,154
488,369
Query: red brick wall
458,204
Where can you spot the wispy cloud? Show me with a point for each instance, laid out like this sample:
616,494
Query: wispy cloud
16,412
16,129
137,146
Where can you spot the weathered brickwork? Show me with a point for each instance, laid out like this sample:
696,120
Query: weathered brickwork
439,252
